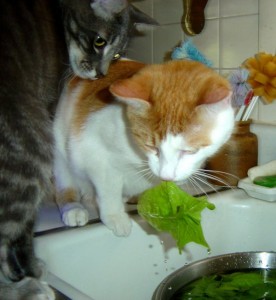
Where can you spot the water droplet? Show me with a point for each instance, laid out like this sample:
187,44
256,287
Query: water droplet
156,273
169,288
150,246
161,242
208,251
155,265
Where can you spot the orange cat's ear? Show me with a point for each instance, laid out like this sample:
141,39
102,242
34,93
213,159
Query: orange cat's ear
215,99
217,104
132,91
216,95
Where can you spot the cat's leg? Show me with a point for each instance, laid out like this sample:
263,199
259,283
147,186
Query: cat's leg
17,257
88,198
115,218
109,191
25,180
73,213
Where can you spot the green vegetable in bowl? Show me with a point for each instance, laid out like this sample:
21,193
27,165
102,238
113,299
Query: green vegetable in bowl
168,208
245,284
267,181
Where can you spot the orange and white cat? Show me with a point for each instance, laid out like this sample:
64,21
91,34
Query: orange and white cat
122,134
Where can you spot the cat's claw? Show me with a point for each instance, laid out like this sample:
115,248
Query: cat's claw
119,223
74,214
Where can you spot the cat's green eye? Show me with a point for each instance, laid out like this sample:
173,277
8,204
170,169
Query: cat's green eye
116,56
99,42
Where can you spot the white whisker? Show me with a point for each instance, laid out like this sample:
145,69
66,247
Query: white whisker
139,171
196,185
200,178
226,174
208,174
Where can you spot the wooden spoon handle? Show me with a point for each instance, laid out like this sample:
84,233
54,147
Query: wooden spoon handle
194,18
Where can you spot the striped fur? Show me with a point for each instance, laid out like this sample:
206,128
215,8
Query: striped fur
35,35
33,51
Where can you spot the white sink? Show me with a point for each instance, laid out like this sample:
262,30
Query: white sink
92,263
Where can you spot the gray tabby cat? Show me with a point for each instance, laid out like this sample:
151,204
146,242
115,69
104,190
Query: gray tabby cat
36,38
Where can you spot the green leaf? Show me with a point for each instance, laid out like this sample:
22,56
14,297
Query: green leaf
250,284
168,208
267,181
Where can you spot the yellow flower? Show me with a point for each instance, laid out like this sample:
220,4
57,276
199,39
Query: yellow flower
262,75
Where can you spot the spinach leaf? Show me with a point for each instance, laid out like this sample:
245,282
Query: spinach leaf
168,208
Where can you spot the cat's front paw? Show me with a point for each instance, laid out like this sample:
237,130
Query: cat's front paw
74,214
119,223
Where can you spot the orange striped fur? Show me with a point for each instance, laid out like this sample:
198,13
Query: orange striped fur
173,98
94,95
173,90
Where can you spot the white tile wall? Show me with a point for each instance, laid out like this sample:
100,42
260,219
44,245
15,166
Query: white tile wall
210,33
168,12
234,30
235,8
238,40
266,142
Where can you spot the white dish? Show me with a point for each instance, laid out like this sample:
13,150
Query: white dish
257,191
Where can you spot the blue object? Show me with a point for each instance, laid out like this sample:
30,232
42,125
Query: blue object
188,50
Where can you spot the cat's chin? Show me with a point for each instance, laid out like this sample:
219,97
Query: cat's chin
181,182
177,182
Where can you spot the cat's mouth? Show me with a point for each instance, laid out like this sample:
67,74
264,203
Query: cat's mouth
84,69
88,71
81,66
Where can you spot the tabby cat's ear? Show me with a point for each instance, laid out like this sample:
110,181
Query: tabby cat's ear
107,8
140,20
133,92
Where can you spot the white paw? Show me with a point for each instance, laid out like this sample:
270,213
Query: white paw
74,214
119,223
